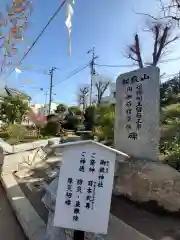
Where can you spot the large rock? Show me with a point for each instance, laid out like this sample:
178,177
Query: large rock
143,181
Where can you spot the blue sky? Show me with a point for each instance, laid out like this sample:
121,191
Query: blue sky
105,24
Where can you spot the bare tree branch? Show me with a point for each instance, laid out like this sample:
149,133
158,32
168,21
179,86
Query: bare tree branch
156,42
134,52
147,15
161,32
101,86
171,10
83,96
171,41
162,41
138,51
133,58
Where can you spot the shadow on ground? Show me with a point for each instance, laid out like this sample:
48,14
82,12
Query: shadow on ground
10,229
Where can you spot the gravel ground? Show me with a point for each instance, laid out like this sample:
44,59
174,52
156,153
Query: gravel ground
9,226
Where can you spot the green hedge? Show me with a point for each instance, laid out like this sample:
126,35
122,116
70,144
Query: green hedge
4,135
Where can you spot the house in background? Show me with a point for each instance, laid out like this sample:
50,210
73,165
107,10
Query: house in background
44,109
36,107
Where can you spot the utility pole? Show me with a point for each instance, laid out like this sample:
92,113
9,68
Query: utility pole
92,72
51,73
46,95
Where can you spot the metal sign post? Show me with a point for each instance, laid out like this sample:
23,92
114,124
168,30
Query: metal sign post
78,235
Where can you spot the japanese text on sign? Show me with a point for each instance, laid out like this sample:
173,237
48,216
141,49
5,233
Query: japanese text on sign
133,133
85,182
89,192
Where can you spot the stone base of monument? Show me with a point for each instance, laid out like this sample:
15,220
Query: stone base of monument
144,181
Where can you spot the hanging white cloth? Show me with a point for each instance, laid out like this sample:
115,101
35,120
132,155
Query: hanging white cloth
69,14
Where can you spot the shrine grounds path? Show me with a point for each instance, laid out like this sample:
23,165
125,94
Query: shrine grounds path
9,226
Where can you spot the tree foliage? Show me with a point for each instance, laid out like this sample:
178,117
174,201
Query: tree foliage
100,120
90,118
75,110
71,122
170,122
13,109
169,91
52,128
61,108
105,121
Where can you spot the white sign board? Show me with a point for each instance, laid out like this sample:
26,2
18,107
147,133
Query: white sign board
137,113
85,188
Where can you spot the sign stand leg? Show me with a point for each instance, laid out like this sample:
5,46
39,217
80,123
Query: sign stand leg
78,235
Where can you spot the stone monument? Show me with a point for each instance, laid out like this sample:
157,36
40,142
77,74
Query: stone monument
137,113
142,178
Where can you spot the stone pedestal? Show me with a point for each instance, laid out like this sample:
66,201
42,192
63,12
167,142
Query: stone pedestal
144,181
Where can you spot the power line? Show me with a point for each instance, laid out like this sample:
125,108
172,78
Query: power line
133,65
41,33
35,88
170,75
37,93
106,65
170,60
71,75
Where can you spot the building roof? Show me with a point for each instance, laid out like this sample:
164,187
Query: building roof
16,92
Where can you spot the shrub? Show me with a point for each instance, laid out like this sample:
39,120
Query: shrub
105,121
4,134
90,118
171,111
51,129
100,134
80,127
61,108
75,110
16,131
71,122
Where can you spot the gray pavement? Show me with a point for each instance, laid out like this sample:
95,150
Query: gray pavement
9,226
